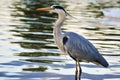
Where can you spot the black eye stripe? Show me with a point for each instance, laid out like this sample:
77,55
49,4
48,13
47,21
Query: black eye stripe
57,7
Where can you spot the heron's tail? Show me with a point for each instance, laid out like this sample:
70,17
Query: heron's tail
102,61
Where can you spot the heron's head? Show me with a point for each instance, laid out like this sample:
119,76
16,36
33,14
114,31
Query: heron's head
54,8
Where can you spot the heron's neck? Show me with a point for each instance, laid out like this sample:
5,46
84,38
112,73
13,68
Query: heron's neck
58,24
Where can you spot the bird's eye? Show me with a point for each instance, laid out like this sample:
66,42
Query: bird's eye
52,7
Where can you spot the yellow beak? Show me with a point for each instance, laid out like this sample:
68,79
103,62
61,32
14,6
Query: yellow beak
44,9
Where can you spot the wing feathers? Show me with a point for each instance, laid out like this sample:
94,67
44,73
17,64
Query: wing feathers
81,49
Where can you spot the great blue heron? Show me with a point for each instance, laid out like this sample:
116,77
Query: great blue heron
79,48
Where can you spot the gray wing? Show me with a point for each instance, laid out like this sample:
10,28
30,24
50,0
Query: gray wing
81,49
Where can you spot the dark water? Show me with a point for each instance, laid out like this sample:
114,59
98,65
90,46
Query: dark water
27,49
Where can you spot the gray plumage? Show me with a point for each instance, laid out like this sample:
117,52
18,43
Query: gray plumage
81,49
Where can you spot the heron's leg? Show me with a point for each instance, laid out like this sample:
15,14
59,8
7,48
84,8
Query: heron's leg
76,71
80,71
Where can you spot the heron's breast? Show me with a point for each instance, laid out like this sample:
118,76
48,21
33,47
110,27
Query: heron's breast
59,43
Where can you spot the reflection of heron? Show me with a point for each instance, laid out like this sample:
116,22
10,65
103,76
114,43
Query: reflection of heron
79,48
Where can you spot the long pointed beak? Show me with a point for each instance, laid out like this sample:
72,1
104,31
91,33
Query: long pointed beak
44,9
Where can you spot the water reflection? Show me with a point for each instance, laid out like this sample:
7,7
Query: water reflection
31,46
40,69
36,54
36,34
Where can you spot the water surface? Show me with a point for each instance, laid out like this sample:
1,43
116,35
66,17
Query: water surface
27,49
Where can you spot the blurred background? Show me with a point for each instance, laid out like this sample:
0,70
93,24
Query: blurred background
27,48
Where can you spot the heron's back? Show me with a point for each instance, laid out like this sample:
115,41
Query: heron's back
80,48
